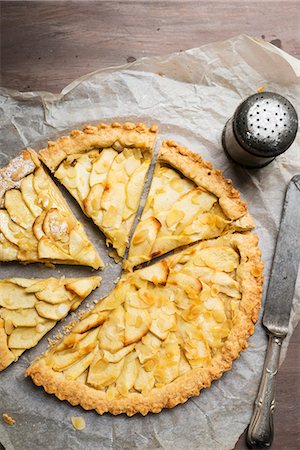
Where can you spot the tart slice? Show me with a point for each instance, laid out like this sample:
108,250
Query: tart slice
188,201
164,333
29,308
36,224
104,168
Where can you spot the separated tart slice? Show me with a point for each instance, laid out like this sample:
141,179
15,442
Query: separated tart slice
29,308
104,168
36,224
164,333
188,201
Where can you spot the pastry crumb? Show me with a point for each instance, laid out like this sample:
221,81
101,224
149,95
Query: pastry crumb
49,265
78,423
7,419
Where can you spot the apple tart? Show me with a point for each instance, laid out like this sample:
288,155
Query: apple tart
104,168
36,224
29,308
188,201
165,331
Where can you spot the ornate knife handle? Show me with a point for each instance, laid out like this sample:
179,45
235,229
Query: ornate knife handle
260,431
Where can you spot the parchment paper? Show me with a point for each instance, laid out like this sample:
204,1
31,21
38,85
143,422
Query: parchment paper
190,95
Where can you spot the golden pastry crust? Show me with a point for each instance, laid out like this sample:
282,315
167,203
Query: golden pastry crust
101,136
202,173
249,275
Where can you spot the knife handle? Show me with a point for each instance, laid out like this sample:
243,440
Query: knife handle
260,431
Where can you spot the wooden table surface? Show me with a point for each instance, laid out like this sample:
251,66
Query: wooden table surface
47,44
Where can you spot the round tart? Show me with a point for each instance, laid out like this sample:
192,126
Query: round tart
166,330
164,333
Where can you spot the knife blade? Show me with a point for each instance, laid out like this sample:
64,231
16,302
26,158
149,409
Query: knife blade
277,314
285,264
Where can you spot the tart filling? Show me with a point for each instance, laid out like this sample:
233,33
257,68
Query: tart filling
104,168
29,308
164,333
36,224
188,201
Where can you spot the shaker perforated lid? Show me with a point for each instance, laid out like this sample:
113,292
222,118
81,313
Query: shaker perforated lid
265,124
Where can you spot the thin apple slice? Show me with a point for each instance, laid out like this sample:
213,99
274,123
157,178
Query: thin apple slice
21,317
52,312
49,251
17,209
79,367
10,230
27,337
128,376
111,335
137,324
61,359
14,297
162,323
117,356
191,285
148,347
82,287
29,196
102,373
91,321
219,258
142,242
157,274
144,382
102,165
167,368
92,203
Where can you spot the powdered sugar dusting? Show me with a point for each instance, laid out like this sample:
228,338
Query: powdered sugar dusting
58,227
12,175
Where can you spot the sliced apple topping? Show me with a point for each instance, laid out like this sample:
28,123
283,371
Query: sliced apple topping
219,258
137,324
158,324
17,209
112,332
127,378
103,373
29,308
106,181
36,224
187,206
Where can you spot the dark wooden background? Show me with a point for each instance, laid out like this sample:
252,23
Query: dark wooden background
47,44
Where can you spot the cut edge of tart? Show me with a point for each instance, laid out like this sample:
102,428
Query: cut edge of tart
36,223
29,308
104,168
188,201
163,334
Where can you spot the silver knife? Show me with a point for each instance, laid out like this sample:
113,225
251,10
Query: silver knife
277,314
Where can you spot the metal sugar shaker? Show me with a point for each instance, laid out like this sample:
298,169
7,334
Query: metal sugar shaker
262,127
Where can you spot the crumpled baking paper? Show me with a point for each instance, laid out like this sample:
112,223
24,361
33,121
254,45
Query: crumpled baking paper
190,95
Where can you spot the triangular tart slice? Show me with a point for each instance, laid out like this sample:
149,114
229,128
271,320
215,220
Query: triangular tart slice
104,168
36,224
29,308
188,201
164,333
